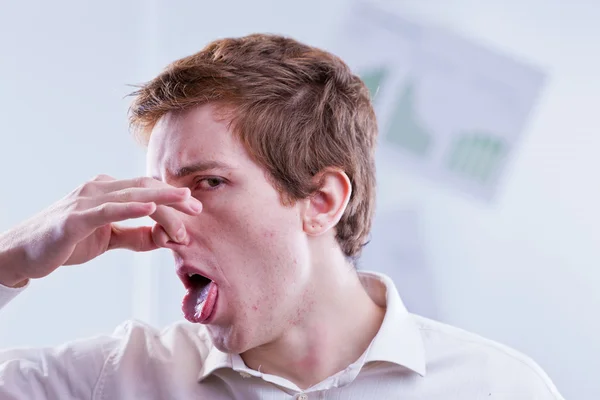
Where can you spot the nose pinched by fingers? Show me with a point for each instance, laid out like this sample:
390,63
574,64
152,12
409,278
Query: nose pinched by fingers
170,219
160,236
162,239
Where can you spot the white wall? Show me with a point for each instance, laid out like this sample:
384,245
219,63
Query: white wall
521,270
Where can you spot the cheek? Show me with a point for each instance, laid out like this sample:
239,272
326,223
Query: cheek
258,246
253,223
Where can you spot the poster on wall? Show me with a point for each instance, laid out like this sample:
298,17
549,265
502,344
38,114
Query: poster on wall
448,108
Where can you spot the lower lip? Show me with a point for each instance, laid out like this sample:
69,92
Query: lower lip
210,316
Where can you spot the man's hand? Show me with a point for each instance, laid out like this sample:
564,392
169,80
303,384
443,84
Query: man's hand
82,226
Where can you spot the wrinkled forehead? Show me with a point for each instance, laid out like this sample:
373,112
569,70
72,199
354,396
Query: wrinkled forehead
192,136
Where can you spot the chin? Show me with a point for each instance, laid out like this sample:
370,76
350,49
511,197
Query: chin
230,343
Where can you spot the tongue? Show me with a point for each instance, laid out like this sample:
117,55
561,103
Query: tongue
199,302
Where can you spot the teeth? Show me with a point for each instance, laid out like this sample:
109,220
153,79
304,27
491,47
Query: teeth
190,275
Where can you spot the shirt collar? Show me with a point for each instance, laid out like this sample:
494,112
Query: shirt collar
215,360
398,340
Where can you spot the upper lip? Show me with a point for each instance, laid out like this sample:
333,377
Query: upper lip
183,270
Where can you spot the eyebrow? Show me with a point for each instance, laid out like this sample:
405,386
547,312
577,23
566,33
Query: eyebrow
199,167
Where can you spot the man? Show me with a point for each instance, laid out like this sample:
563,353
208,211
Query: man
261,157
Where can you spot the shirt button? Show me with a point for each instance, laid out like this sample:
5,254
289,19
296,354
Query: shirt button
245,374
302,396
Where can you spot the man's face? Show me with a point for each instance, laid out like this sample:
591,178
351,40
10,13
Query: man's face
251,246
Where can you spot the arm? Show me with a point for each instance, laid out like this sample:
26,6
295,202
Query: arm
72,231
64,372
82,226
8,276
70,371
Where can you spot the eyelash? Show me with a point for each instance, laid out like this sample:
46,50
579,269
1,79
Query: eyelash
209,178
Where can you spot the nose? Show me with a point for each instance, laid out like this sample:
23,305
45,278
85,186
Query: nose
171,230
174,241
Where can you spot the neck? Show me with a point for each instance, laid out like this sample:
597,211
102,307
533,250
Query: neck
335,333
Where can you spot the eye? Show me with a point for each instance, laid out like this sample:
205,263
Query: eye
209,183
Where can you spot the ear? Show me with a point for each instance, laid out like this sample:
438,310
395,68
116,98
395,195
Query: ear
325,207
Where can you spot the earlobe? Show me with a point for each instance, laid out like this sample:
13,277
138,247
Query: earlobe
326,206
313,229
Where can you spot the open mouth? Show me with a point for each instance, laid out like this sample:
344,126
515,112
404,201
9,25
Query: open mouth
199,302
198,281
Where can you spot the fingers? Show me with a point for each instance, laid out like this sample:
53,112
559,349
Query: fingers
178,198
111,212
105,189
160,236
145,195
166,216
135,239
107,184
168,219
105,200
143,238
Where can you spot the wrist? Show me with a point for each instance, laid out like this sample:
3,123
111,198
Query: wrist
11,280
17,285
9,260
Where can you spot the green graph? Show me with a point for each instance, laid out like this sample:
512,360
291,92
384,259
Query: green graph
476,155
373,79
406,129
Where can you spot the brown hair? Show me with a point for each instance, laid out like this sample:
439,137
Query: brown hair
296,109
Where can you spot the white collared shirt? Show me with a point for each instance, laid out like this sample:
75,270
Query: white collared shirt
411,357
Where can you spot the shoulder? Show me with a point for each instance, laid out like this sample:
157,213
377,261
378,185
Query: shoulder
169,342
493,367
139,353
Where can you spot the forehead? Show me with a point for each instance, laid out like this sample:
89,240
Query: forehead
199,135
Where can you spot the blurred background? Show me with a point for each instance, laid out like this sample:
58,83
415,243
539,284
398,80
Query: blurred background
516,262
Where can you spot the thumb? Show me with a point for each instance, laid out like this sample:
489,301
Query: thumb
131,238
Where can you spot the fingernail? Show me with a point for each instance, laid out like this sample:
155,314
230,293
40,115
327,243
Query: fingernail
180,235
